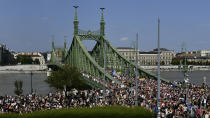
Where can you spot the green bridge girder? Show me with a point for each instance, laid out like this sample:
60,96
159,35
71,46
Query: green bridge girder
79,57
92,62
117,61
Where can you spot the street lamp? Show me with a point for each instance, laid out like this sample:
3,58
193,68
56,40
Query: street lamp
104,90
158,72
186,82
136,78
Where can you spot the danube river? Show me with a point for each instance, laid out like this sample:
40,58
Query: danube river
38,84
41,87
194,76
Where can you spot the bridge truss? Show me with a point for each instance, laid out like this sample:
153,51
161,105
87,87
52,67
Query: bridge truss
92,62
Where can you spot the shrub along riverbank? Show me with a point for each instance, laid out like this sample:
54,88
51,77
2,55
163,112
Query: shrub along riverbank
96,112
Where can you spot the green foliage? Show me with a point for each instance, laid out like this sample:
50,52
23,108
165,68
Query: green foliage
68,77
18,87
198,63
24,59
13,61
95,112
175,61
36,61
162,63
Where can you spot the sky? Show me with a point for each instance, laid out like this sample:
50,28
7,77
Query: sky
28,25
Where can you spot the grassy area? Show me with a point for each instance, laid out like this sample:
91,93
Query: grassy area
96,112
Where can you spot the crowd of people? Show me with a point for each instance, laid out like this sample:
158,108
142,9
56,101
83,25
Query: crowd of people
175,101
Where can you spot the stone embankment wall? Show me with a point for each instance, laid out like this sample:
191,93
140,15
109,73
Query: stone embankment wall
23,69
177,68
43,68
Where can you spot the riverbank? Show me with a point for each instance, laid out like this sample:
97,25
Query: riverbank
177,68
24,72
43,68
23,68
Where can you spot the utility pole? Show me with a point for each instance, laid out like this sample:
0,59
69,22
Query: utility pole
158,73
31,83
102,33
104,91
185,71
186,79
136,96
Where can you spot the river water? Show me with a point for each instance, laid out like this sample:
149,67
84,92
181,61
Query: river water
41,87
38,84
194,76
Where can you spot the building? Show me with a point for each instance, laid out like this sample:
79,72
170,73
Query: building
48,57
199,60
166,56
190,55
147,58
33,55
203,53
58,54
196,57
128,52
6,57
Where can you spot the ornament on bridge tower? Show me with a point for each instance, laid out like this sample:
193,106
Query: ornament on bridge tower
89,32
102,23
76,22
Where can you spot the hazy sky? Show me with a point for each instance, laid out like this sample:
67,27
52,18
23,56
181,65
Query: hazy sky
27,25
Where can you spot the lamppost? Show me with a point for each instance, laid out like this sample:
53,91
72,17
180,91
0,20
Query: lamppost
158,72
136,79
186,81
102,33
31,83
104,91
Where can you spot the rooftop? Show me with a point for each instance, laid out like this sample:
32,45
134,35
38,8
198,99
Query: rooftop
124,48
151,52
161,49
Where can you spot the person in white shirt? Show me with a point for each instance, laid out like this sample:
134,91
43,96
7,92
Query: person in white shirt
206,115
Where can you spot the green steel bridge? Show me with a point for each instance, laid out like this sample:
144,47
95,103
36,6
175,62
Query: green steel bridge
92,62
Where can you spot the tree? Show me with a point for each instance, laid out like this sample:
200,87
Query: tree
175,61
36,61
13,61
18,87
162,63
24,59
66,78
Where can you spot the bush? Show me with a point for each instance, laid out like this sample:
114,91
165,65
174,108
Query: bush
95,112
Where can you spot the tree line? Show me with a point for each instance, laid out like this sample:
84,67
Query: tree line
24,59
176,61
